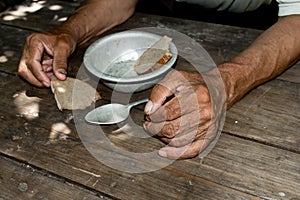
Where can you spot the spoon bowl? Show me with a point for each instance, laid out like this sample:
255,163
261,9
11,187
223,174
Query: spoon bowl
111,113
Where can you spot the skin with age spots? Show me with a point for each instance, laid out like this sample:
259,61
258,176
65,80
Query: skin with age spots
188,121
278,48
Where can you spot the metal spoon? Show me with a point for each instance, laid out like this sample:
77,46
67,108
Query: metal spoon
111,113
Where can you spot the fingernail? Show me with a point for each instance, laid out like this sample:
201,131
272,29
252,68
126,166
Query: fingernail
46,84
148,107
145,126
62,71
162,153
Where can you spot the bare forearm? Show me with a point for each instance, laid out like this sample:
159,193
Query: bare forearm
95,17
273,52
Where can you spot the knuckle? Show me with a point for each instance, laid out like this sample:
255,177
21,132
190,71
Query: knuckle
159,88
206,114
183,140
168,131
29,37
172,112
155,128
175,143
204,96
65,41
21,71
32,37
178,142
29,63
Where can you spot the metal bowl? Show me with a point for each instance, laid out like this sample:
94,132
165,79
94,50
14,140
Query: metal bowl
112,59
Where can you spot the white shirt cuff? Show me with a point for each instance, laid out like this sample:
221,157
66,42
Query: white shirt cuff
288,7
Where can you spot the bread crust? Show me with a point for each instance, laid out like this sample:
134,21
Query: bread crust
154,57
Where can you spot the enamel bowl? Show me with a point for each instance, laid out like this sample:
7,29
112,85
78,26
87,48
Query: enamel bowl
112,59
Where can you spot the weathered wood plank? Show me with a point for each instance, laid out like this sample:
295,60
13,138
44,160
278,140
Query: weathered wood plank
20,181
248,166
291,74
245,160
10,48
33,141
254,168
228,166
269,114
229,169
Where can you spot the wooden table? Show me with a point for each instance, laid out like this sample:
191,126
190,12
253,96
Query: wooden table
42,156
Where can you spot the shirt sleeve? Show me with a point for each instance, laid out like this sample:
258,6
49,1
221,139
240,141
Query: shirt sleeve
237,6
288,7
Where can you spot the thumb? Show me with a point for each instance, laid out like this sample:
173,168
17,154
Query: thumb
60,59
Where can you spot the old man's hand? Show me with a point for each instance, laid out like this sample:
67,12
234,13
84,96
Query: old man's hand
45,54
185,113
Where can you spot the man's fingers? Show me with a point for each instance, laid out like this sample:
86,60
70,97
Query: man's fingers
172,128
63,49
203,142
32,61
25,71
27,75
191,135
188,151
39,74
44,55
166,88
60,63
183,103
158,96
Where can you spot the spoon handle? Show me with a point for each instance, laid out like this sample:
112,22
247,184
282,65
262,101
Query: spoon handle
138,102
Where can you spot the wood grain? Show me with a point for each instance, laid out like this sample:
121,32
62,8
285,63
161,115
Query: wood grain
269,114
257,156
30,141
20,181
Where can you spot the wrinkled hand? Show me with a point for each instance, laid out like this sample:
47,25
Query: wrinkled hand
45,54
184,113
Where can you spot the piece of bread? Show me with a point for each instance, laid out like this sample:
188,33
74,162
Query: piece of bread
154,57
65,97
